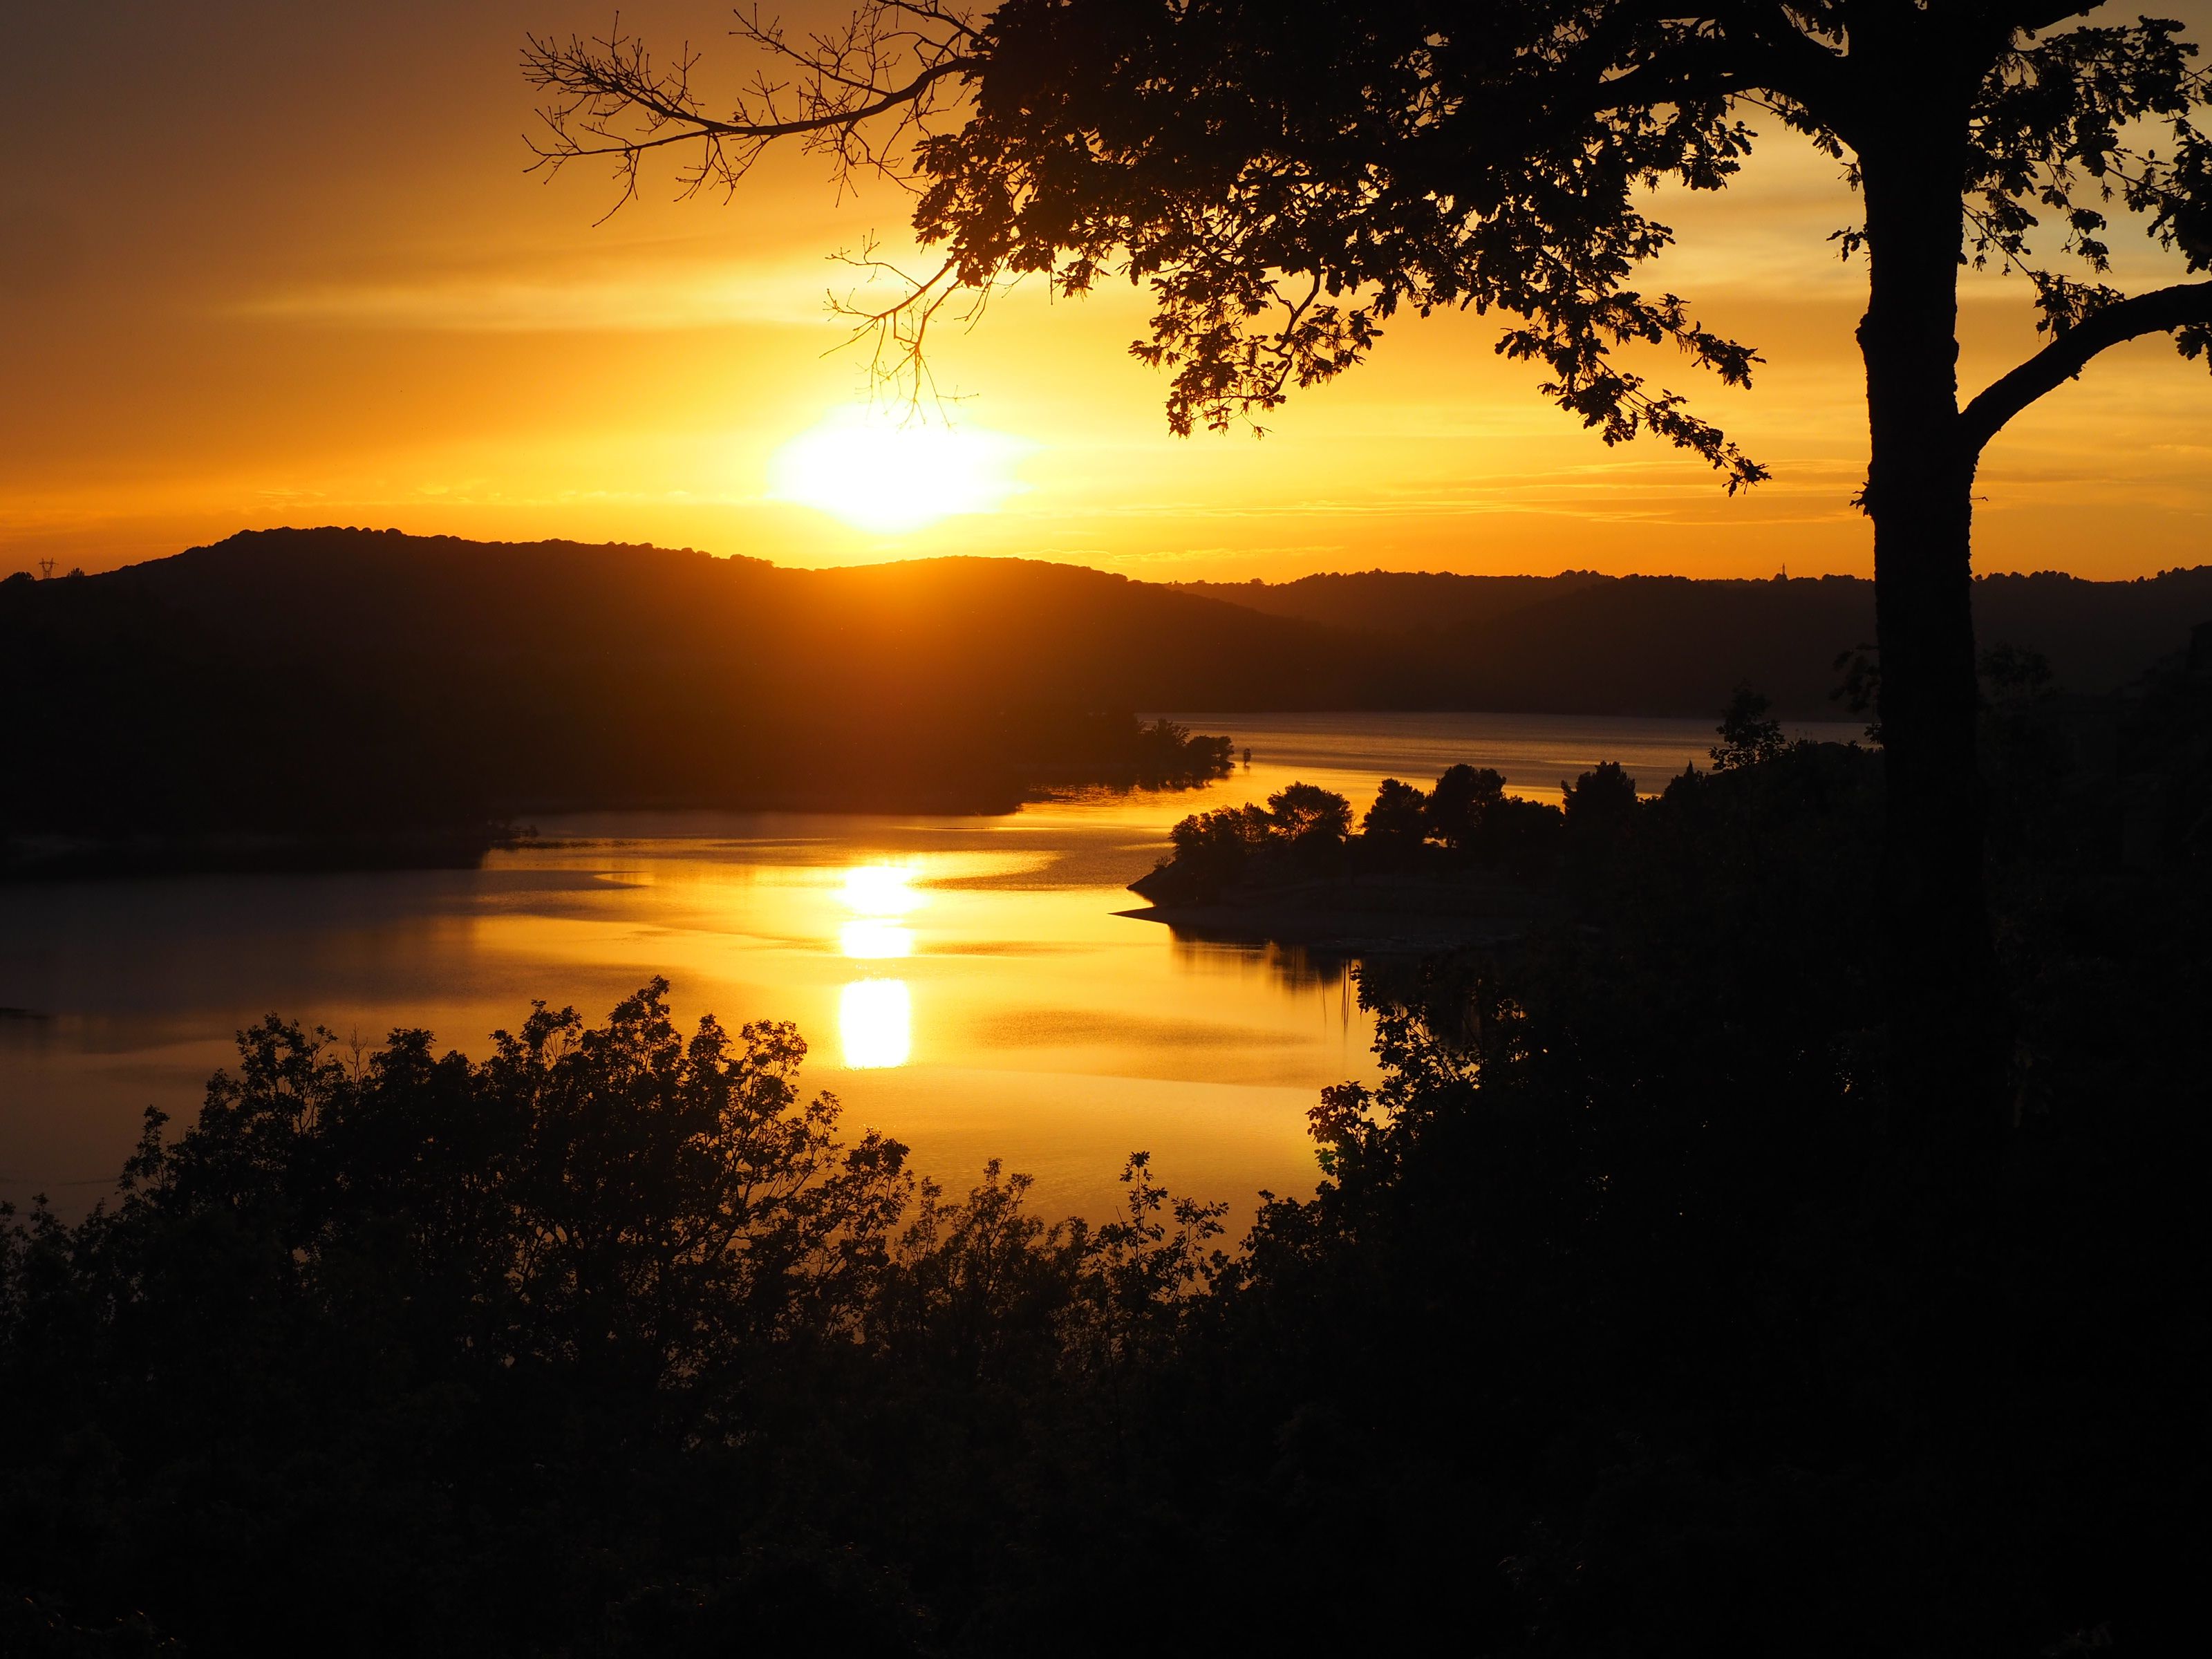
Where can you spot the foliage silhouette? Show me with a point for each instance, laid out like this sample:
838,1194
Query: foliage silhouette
1460,803
1303,833
1400,815
1748,733
1308,817
402,1349
1598,807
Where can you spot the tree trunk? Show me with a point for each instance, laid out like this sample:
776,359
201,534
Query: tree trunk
1948,1038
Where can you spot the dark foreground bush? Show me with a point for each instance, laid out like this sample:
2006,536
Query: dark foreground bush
606,1344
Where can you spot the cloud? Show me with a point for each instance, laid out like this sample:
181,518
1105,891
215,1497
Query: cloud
655,297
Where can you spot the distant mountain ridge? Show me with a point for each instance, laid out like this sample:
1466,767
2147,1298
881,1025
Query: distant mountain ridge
1395,601
1580,642
303,680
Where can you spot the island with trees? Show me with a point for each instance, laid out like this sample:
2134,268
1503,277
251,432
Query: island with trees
1464,862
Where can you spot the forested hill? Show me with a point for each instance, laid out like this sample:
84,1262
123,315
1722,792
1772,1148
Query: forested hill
1581,642
324,681
307,679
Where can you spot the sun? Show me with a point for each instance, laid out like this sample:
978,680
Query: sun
879,472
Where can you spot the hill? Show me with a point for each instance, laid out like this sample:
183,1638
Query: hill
340,682
328,682
1583,643
1401,602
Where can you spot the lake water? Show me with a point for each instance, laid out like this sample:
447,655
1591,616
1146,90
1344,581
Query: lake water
965,983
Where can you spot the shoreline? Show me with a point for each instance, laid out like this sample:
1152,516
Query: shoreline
1363,915
38,858
35,856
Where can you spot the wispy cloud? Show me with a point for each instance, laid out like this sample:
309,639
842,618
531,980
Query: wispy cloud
655,297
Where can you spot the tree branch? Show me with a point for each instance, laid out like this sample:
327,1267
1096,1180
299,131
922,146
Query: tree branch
1790,61
2036,18
2158,312
661,110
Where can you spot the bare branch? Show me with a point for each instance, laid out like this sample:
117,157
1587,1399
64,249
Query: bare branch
863,95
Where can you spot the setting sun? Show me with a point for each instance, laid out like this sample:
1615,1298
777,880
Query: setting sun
882,473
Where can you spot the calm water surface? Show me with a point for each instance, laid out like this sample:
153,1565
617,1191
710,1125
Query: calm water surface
964,983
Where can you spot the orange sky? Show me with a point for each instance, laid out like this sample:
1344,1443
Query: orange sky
264,264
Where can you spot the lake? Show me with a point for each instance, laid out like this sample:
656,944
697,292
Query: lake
965,984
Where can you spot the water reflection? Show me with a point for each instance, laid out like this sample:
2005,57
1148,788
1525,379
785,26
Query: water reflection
870,938
875,1023
880,889
875,1017
1295,966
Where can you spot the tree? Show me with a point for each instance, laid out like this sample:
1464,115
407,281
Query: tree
1305,814
1458,803
1286,178
1748,733
1600,804
1401,814
1234,833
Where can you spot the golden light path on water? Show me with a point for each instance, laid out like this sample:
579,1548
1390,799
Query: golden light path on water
875,1015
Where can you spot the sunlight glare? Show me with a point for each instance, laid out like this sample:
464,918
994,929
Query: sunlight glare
879,473
871,939
880,889
875,1021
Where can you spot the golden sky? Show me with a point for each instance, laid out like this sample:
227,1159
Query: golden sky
267,264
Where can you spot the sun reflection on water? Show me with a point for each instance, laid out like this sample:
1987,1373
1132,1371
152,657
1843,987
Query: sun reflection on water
871,939
875,1017
875,1021
880,889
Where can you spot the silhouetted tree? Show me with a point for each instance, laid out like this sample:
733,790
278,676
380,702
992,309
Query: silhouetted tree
1212,850
1167,753
1460,800
1399,814
1286,179
1748,735
1598,805
1234,831
1307,815
1519,833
